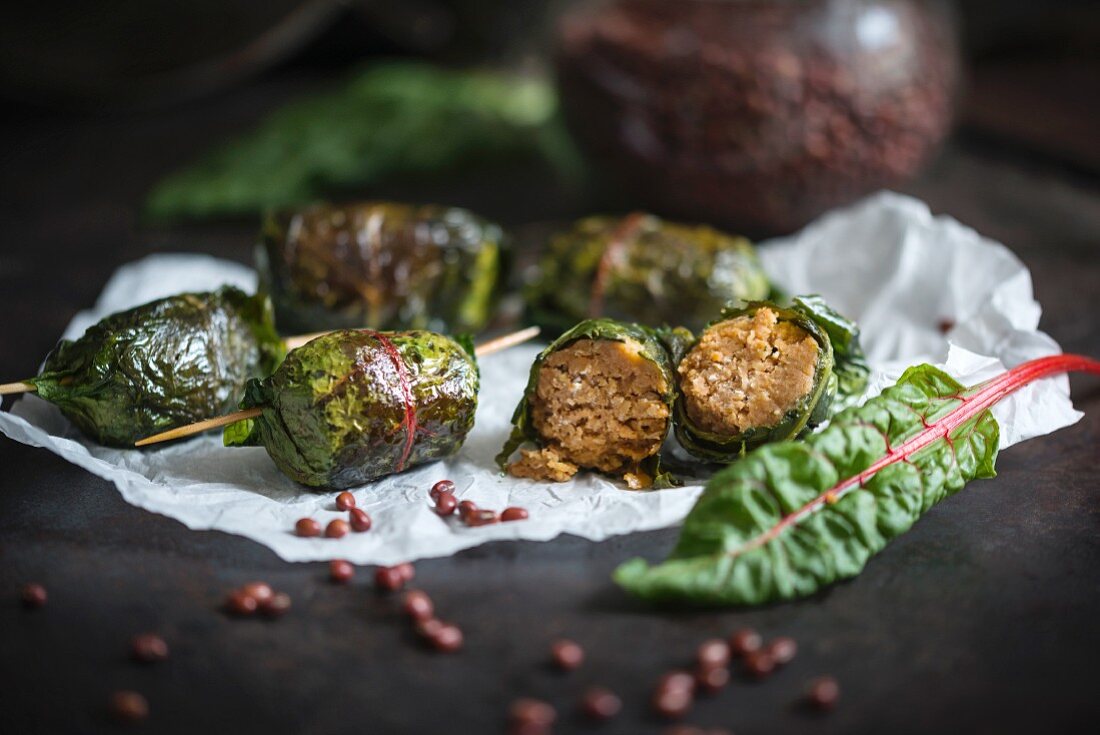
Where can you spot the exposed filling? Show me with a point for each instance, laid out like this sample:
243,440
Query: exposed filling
598,404
747,372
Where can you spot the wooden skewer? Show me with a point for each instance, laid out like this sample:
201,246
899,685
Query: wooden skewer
505,341
493,345
201,426
293,343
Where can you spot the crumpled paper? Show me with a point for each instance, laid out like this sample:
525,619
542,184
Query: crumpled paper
922,288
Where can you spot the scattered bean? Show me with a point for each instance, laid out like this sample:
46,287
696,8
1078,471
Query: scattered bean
679,680
276,606
307,527
713,653
599,703
258,591
127,706
360,521
345,501
759,664
481,518
389,579
672,703
417,605
514,514
445,505
336,529
710,679
465,508
782,650
532,712
823,693
407,571
428,628
446,638
34,595
241,603
148,648
340,571
567,655
745,641
441,487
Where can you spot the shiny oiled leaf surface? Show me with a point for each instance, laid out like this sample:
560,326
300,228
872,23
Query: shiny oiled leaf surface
354,405
782,522
161,365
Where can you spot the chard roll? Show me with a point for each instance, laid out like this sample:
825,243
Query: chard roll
352,406
640,268
382,265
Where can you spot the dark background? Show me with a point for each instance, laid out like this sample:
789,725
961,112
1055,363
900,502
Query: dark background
981,619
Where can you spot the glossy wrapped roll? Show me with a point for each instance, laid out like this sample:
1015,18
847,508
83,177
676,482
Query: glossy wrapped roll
642,269
352,406
165,364
382,266
764,373
599,397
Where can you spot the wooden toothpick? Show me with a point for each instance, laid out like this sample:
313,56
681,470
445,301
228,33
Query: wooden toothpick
201,426
7,389
494,345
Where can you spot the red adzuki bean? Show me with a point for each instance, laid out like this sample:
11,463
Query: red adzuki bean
307,528
359,519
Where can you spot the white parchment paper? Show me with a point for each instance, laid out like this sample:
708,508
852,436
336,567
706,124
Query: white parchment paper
922,288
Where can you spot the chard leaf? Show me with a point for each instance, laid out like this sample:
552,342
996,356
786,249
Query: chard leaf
795,516
393,120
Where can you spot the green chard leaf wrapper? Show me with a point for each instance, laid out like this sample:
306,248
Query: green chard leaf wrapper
792,517
657,346
392,122
383,266
839,379
353,406
165,364
642,269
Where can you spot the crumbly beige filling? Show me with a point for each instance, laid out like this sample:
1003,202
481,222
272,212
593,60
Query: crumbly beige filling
542,464
747,372
598,404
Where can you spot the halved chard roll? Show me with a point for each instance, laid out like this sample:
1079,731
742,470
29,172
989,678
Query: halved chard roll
352,406
599,397
763,373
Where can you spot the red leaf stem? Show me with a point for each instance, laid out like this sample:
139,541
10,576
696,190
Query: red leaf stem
409,422
973,402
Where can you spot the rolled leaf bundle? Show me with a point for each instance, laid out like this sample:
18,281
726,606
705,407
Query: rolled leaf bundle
354,405
763,373
381,265
642,269
161,365
599,397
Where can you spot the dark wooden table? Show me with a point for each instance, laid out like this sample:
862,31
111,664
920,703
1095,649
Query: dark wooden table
982,619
